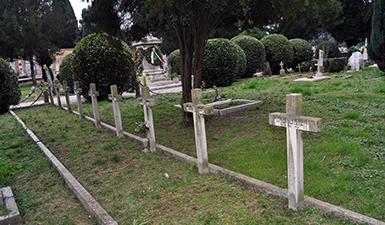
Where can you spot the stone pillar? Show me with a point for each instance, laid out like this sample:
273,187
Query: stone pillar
116,108
78,92
95,107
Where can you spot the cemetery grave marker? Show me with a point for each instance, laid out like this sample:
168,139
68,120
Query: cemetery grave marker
282,71
295,123
57,89
116,108
320,69
147,103
78,92
67,96
12,216
95,107
199,110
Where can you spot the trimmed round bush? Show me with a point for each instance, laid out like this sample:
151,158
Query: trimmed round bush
174,60
255,54
278,49
303,52
254,32
223,62
9,87
105,61
67,72
330,48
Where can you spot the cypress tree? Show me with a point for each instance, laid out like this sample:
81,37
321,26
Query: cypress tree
377,40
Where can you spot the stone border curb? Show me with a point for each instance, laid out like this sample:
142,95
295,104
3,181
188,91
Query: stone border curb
90,204
13,217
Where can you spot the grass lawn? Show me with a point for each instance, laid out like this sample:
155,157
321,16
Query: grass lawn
344,164
41,194
26,91
134,188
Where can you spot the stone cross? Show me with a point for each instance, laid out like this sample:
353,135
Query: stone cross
295,123
199,110
320,64
148,102
67,96
116,108
78,92
95,107
299,67
46,96
366,54
58,95
282,71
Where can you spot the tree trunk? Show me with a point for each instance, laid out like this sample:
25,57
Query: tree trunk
200,41
32,67
186,46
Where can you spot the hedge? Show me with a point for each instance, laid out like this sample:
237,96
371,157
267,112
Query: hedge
255,54
278,49
330,48
9,87
335,65
174,60
67,71
223,61
303,52
105,61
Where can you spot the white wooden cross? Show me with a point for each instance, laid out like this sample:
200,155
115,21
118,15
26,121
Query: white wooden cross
320,64
199,110
299,67
116,108
78,92
294,122
282,72
67,96
148,102
95,107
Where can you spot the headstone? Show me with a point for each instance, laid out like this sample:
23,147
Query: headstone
356,61
299,67
46,96
267,70
366,54
58,94
148,102
78,92
320,64
67,96
116,108
95,107
294,122
199,110
282,71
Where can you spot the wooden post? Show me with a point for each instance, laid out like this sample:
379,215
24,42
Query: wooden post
199,110
50,92
294,122
116,108
78,92
67,96
147,103
95,107
58,96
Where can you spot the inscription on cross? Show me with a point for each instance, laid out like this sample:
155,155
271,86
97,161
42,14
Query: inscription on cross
95,107
148,102
199,110
115,97
295,123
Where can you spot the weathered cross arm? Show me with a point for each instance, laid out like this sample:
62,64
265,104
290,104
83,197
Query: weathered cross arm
200,108
302,123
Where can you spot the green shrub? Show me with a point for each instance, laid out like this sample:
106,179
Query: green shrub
377,37
9,87
105,61
335,65
66,71
303,52
255,53
330,48
223,61
254,32
174,60
278,49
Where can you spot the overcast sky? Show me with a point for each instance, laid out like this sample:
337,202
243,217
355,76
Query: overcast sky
78,6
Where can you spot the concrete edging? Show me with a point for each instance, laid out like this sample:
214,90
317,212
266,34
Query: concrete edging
90,204
13,217
252,182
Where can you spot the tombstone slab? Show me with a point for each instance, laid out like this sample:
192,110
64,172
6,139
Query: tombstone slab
13,216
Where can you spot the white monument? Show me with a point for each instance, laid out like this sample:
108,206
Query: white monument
154,72
356,61
366,54
320,69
